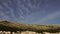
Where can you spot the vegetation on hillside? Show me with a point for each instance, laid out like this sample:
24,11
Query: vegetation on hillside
10,26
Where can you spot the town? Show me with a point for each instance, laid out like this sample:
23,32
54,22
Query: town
25,32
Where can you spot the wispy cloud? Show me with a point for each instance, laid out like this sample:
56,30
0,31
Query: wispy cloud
49,17
28,10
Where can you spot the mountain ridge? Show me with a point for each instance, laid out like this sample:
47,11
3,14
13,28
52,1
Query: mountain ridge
14,26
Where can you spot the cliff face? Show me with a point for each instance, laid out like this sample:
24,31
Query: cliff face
11,26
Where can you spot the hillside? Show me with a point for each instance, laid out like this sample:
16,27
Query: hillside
11,26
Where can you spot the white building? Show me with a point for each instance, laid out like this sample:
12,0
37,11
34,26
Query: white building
14,33
50,33
28,32
6,32
25,32
46,33
0,32
18,32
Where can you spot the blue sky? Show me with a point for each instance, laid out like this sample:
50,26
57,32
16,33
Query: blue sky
31,11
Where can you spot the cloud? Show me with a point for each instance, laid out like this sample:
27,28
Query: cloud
49,17
10,9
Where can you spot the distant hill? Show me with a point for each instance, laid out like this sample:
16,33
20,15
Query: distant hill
13,26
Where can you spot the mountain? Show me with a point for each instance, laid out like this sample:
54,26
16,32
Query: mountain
14,26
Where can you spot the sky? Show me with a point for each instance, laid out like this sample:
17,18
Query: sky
31,11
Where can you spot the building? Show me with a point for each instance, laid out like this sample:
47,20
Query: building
25,32
28,32
46,33
5,32
18,32
0,32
